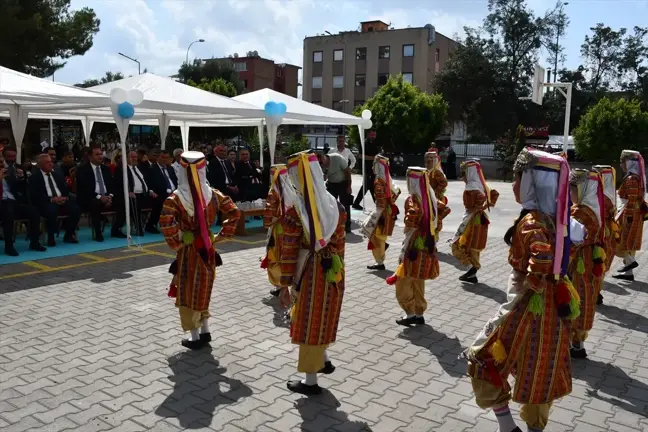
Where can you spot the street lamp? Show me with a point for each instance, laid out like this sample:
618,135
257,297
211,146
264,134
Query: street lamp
344,63
132,59
189,47
555,71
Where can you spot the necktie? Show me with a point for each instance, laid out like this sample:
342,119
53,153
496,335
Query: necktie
100,180
137,174
51,185
227,179
166,176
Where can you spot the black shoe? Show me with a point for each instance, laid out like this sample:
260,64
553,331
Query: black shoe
599,300
118,234
99,237
205,337
301,388
470,273
420,320
328,368
624,277
357,207
36,246
275,292
631,266
517,429
11,251
376,267
51,242
193,345
70,238
347,230
577,353
152,230
469,279
407,321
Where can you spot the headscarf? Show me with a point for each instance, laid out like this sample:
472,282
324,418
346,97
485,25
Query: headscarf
590,190
317,208
544,187
195,193
609,181
418,185
381,171
436,161
282,186
475,178
634,164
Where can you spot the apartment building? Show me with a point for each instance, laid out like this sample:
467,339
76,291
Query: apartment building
258,73
343,70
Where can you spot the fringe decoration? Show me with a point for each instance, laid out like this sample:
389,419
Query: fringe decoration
477,220
400,272
187,238
574,309
598,253
498,352
562,294
580,265
419,243
536,304
264,262
173,291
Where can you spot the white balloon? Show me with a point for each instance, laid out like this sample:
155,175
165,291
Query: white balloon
118,95
368,124
135,97
366,114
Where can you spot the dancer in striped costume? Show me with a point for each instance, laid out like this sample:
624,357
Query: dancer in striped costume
438,183
611,227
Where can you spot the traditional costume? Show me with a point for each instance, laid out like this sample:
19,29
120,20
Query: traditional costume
611,227
630,216
379,225
312,263
280,198
438,183
587,259
471,236
418,261
529,336
186,217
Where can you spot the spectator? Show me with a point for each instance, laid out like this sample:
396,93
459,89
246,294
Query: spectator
67,163
177,155
139,194
51,196
344,151
14,203
338,181
95,190
51,151
248,178
371,150
219,175
231,159
162,180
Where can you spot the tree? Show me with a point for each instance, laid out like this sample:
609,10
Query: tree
404,117
211,69
556,51
216,85
602,53
108,77
38,34
609,127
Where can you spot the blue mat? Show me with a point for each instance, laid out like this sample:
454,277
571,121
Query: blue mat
87,245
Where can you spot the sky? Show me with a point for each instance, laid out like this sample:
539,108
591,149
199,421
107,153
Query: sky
158,32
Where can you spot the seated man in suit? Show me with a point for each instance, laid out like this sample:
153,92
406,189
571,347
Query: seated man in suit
51,151
51,196
220,175
95,190
248,178
162,180
14,203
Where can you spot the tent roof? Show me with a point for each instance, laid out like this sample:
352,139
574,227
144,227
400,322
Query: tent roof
299,111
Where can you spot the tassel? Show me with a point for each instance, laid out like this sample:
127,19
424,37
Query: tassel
187,238
336,263
391,280
498,352
564,311
477,220
598,253
370,245
400,271
580,266
264,262
412,254
599,269
562,294
278,229
330,276
173,291
419,243
572,291
536,304
326,263
607,231
574,309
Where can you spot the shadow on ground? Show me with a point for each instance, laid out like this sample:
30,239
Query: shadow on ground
313,410
279,312
445,349
623,317
484,290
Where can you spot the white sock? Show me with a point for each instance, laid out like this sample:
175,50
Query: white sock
410,315
578,345
504,419
418,316
195,335
204,328
310,380
326,357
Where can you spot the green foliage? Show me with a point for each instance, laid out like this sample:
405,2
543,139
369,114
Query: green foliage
293,144
506,151
38,34
404,117
109,77
215,85
609,127
211,70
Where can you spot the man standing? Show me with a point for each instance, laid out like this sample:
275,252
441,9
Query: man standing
138,193
371,150
344,151
248,177
338,182
51,152
51,196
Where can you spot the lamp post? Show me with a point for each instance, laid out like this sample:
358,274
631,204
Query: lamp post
344,102
555,71
189,47
134,60
344,63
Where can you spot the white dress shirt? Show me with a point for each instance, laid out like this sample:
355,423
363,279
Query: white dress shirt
224,163
165,172
139,184
94,172
176,167
47,185
348,155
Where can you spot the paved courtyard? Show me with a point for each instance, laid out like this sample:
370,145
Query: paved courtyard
91,343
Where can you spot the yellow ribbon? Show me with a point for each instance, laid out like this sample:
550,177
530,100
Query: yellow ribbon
430,206
306,179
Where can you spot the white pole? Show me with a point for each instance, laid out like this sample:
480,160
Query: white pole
567,114
51,140
124,159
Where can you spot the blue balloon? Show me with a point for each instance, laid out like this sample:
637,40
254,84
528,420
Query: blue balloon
270,108
126,110
281,108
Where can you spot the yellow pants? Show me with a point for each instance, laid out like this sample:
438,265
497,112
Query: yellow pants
191,319
474,258
489,396
311,358
410,294
274,274
579,335
379,241
466,256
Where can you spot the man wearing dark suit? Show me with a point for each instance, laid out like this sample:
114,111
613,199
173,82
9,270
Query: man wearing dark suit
248,178
139,195
219,175
51,151
51,196
95,190
14,203
142,160
162,180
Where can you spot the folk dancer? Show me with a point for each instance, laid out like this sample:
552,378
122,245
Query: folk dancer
608,174
587,259
186,217
630,216
418,261
471,236
529,336
280,198
438,183
312,263
379,225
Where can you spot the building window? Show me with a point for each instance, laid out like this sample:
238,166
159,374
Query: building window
279,73
358,103
408,50
382,79
338,55
361,53
437,54
338,81
317,56
383,52
240,66
408,77
360,80
317,82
